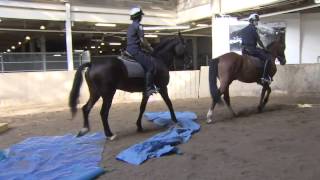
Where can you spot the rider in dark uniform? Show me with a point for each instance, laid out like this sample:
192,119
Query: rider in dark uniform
135,43
250,39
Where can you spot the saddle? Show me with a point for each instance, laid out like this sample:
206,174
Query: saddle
134,69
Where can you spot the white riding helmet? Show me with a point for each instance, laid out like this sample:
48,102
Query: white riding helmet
254,17
136,12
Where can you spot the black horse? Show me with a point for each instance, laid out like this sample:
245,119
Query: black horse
104,77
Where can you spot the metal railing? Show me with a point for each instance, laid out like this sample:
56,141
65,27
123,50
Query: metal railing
37,61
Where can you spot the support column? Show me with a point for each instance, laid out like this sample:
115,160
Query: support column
43,51
220,35
69,37
195,53
31,45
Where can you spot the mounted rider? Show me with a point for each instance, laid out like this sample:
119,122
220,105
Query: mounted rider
250,39
135,42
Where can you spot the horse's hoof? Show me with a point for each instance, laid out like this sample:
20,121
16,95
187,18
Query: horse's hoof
209,121
82,132
260,109
139,129
113,137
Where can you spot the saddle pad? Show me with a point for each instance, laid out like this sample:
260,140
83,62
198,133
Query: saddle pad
134,69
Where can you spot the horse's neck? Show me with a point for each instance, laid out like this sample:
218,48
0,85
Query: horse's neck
273,52
165,54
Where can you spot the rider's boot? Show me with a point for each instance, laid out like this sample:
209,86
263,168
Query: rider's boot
266,79
150,87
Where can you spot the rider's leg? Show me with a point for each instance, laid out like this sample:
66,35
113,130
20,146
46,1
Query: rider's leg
265,75
148,66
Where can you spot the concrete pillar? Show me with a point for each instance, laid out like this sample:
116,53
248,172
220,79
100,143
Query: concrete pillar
23,47
31,45
69,37
220,35
43,51
195,53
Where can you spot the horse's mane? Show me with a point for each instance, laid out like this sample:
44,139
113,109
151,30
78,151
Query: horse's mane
271,44
162,44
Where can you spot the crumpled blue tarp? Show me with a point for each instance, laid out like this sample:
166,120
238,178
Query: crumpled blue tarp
54,157
162,143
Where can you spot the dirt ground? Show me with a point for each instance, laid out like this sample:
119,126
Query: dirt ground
283,142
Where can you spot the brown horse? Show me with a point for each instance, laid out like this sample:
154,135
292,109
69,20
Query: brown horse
232,66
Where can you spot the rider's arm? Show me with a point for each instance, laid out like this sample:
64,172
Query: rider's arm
143,40
260,43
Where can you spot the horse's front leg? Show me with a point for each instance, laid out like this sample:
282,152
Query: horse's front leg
265,101
164,94
142,109
263,92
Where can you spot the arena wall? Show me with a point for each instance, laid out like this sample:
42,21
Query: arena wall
36,88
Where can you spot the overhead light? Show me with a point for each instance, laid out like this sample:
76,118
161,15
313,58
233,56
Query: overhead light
42,27
157,31
4,52
115,44
0,20
152,28
193,23
19,43
113,50
102,44
57,55
8,50
13,47
317,1
99,47
28,38
202,25
151,36
78,50
100,52
93,47
105,25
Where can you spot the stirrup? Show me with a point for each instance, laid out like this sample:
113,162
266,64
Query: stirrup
266,80
151,90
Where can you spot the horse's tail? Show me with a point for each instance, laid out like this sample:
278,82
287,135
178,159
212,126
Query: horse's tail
75,91
213,76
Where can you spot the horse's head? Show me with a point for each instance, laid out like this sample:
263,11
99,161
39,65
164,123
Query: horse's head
170,47
280,47
180,46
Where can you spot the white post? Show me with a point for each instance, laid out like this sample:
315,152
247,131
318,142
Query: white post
69,37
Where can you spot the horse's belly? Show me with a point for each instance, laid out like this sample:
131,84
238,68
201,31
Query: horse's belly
132,85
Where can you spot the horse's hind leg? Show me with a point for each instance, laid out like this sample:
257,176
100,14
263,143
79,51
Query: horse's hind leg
226,98
94,96
225,82
164,94
107,101
86,110
210,112
142,109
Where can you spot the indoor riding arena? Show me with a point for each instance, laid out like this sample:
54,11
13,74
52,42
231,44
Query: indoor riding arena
46,46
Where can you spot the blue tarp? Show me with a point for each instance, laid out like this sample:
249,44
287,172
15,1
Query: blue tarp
53,157
162,143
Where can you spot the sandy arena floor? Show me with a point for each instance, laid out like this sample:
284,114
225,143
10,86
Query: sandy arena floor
281,143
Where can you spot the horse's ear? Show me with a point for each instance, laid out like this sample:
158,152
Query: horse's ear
179,35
